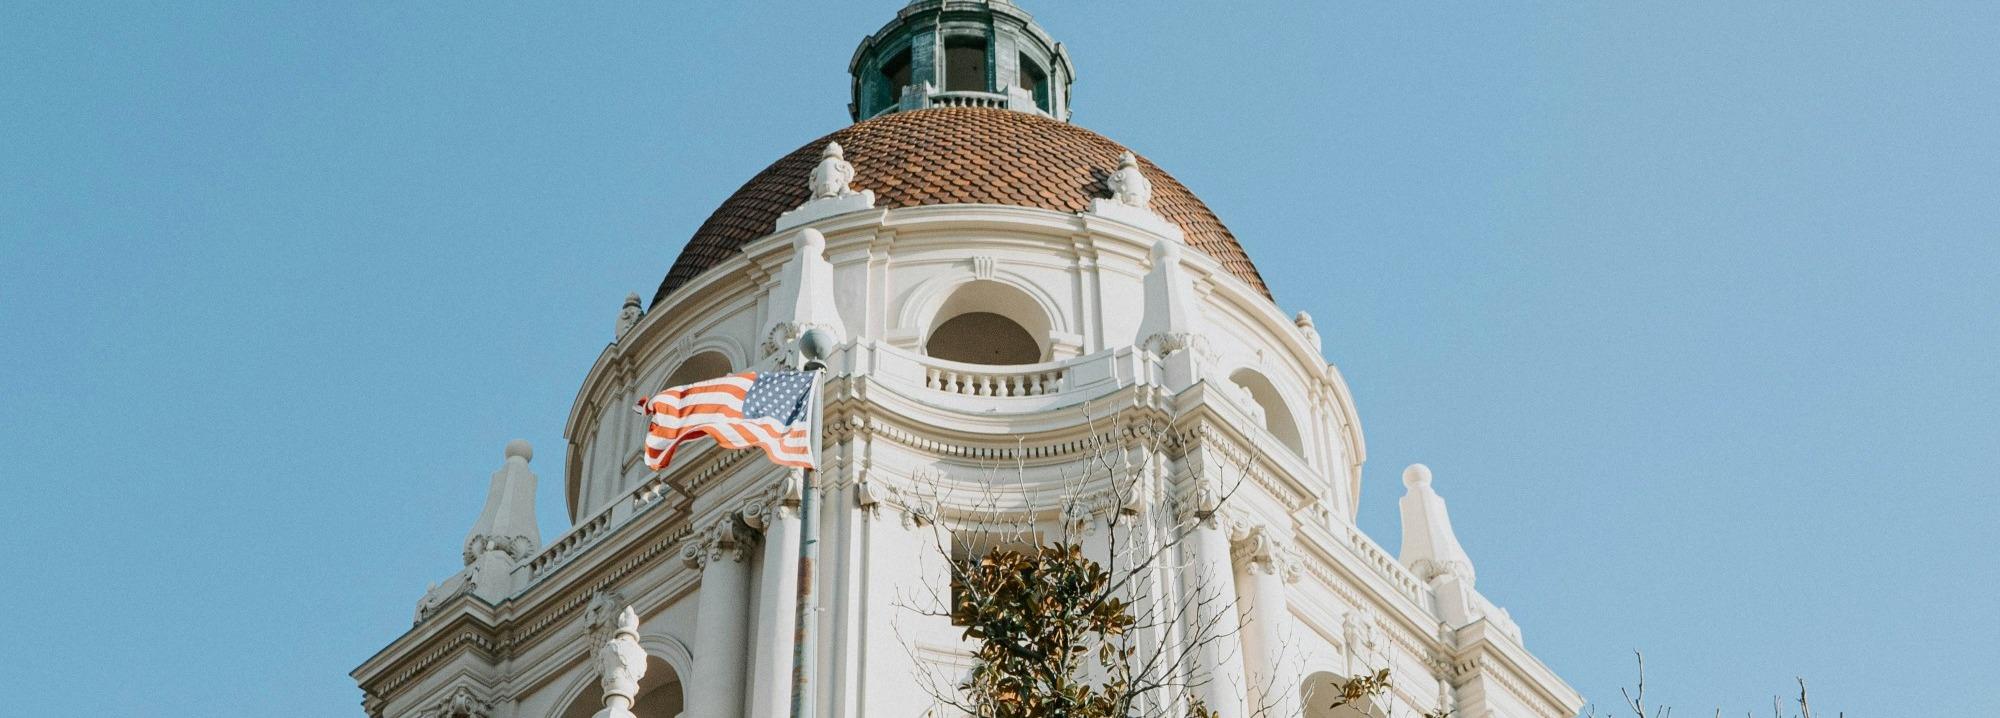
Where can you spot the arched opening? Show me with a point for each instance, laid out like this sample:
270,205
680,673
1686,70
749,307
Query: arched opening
1035,81
700,367
895,75
983,338
1277,417
1320,697
660,695
988,322
965,64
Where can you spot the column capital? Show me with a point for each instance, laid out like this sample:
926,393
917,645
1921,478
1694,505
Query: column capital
776,502
725,539
1201,505
1267,553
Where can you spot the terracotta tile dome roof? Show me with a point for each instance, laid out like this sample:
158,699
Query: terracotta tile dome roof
958,155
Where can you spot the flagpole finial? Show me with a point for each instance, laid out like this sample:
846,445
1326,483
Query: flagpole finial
520,449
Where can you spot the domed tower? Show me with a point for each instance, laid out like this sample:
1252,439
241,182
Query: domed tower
960,53
1039,335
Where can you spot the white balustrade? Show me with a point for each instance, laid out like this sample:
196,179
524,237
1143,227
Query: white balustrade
1387,566
1000,382
570,544
968,99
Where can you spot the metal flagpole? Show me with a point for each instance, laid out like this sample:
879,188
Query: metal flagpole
805,637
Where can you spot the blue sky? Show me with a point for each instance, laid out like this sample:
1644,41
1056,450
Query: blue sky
1692,307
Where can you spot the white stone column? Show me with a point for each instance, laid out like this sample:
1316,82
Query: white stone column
1210,598
904,571
1274,685
721,621
778,589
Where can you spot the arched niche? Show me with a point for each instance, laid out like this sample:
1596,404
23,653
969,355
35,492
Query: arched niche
705,365
1321,690
661,694
1277,415
989,322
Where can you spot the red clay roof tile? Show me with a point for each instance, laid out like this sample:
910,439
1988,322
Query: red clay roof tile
957,155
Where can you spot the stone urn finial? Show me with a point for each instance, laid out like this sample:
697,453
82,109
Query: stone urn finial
629,314
1128,185
621,663
833,175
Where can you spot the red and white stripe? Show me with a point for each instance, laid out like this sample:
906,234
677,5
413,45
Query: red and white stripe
714,408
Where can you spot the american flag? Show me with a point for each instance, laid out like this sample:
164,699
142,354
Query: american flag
771,410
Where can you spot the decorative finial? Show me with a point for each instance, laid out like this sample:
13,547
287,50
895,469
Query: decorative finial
621,663
833,175
629,314
1417,475
1128,185
520,449
1304,322
1430,547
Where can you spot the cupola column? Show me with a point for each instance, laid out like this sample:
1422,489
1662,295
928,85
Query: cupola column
777,513
723,615
1267,567
1211,588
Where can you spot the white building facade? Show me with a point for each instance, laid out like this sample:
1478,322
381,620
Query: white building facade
1030,321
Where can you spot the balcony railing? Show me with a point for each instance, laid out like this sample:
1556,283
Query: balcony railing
1003,382
967,98
1388,567
1023,387
571,543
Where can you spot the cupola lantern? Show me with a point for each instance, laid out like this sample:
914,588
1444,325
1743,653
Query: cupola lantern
960,53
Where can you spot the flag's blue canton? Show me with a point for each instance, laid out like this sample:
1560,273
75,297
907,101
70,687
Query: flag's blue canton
782,395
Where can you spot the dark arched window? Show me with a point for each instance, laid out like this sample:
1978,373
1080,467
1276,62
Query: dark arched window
1036,82
1268,401
889,85
983,338
965,64
989,322
703,366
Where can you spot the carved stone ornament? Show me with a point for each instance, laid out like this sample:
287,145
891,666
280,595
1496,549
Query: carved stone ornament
600,618
462,702
776,502
436,596
1268,554
833,176
1079,516
1203,505
920,512
629,315
785,335
1431,569
621,663
1128,185
1363,636
870,495
1304,322
1130,201
518,548
723,540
